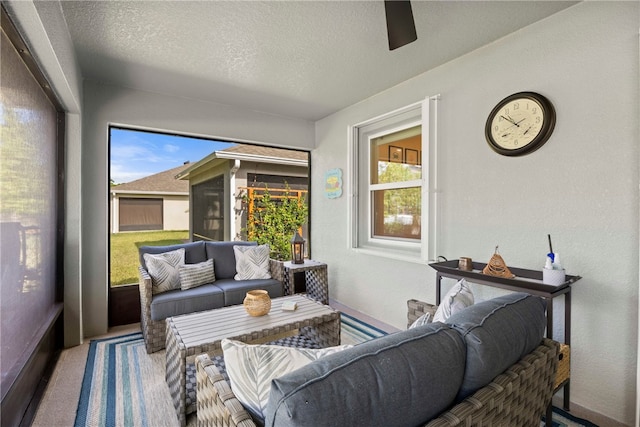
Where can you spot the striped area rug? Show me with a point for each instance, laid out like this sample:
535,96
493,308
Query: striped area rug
354,331
125,386
118,380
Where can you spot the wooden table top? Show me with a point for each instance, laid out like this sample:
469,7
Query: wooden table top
207,327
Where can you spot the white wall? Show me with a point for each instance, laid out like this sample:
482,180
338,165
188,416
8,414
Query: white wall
105,105
581,187
176,213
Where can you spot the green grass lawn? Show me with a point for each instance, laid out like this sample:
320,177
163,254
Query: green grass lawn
124,251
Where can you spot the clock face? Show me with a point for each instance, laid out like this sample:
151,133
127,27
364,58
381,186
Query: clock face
520,124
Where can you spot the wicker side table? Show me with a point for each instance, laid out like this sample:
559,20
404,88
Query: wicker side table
316,279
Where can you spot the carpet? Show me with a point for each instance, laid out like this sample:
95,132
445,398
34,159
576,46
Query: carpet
125,386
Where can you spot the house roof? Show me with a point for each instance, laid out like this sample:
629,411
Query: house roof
252,153
160,183
261,151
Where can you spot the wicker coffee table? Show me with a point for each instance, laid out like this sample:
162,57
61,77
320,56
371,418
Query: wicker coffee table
192,334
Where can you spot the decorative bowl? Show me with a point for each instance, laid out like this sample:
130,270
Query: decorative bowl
257,303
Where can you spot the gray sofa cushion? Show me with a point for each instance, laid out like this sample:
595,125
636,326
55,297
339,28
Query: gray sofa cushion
403,379
498,333
194,252
174,303
236,290
224,260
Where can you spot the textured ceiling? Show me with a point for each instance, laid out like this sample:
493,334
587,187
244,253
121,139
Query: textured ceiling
304,59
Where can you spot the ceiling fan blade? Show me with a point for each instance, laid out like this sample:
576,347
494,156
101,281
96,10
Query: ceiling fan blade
400,25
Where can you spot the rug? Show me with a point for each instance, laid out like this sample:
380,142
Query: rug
354,331
125,386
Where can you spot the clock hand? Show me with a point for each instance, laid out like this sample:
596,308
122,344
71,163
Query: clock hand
509,119
513,121
528,129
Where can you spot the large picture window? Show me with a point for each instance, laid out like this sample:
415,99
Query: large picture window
390,184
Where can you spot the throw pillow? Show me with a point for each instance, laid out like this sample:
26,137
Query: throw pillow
192,275
457,299
163,269
422,320
252,367
252,262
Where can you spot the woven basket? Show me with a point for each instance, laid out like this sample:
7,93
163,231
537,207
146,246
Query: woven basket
564,365
257,303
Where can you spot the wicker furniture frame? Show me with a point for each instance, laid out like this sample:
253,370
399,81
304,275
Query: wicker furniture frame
315,275
517,397
154,331
192,334
525,280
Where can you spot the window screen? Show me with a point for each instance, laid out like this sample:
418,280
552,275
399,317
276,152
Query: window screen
30,297
208,209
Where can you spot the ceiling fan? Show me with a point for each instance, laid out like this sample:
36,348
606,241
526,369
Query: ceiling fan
400,25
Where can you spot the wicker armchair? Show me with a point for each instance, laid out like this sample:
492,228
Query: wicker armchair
519,396
153,331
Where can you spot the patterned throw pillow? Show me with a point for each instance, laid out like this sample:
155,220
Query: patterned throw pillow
163,269
457,299
193,275
252,367
252,262
422,320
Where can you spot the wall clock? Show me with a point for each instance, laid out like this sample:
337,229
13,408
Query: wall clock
520,124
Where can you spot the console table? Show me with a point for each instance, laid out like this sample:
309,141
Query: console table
315,277
529,281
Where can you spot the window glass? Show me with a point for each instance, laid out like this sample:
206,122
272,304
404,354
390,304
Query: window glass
396,156
396,213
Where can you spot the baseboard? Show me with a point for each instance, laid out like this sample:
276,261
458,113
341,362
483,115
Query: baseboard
361,316
594,417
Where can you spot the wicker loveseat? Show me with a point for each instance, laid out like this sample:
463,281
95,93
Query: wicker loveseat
224,291
488,365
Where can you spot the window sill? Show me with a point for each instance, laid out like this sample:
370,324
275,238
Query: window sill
393,254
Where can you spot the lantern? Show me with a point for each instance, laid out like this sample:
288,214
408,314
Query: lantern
297,249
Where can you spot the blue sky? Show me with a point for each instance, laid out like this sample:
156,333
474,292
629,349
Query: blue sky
136,154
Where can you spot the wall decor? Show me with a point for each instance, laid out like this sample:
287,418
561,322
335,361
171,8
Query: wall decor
333,183
395,154
520,124
411,157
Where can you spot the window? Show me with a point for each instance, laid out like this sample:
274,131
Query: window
390,184
396,181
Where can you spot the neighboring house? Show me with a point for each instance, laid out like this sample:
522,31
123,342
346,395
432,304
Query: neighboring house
155,202
217,184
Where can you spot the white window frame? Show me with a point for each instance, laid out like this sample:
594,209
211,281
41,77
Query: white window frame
360,135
